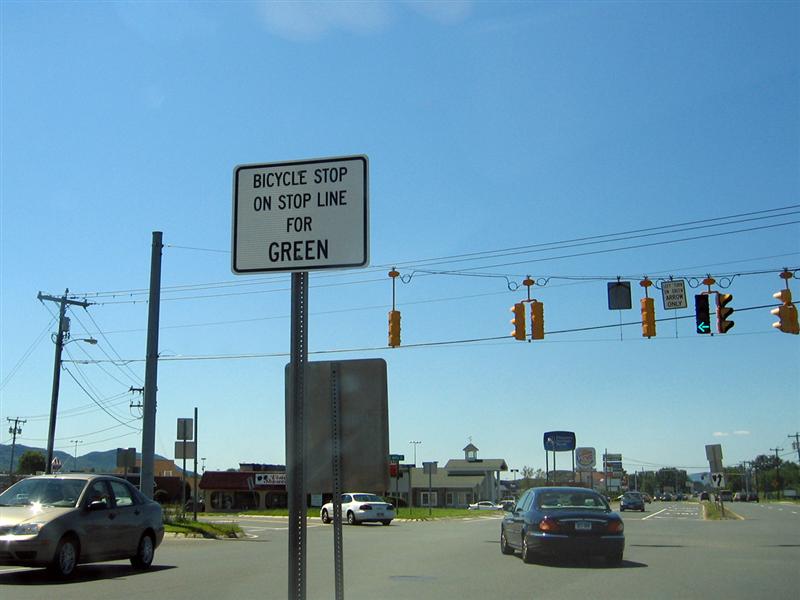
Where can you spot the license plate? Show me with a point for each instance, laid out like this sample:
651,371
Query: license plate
583,526
380,514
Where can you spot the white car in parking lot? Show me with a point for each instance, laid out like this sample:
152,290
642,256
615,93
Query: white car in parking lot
485,505
360,508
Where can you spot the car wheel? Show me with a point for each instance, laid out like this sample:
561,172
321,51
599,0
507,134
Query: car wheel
614,559
144,552
527,552
505,548
325,516
386,522
66,557
351,518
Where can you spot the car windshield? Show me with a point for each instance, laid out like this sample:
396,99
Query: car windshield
46,492
367,498
571,500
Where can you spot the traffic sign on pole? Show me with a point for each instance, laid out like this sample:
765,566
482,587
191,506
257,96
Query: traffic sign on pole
300,216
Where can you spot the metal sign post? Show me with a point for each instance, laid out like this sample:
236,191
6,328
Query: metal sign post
336,463
299,216
295,442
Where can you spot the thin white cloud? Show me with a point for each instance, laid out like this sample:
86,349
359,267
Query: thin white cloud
308,21
741,432
453,11
720,434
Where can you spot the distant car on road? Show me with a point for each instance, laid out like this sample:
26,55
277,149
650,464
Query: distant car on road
360,508
60,521
485,505
631,501
562,521
704,496
647,498
725,495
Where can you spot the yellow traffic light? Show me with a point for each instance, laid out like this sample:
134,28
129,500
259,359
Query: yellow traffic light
787,313
724,324
394,328
537,320
518,321
648,318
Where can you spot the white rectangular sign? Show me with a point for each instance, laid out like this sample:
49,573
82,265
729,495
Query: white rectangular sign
300,215
673,294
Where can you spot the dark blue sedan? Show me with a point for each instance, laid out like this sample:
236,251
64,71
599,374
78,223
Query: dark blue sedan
562,521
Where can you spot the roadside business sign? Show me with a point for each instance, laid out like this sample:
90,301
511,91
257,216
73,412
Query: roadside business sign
673,294
559,441
585,458
300,216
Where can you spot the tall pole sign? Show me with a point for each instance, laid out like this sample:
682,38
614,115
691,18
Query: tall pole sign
299,216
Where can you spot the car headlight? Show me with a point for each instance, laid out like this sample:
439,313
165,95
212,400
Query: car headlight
26,529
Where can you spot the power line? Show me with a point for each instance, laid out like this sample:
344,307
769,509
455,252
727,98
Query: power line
489,254
99,404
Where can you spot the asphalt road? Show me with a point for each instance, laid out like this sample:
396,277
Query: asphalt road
671,553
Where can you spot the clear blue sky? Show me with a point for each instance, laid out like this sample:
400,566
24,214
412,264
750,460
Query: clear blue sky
488,126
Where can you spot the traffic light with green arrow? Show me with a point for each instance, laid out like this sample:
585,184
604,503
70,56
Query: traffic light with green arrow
701,314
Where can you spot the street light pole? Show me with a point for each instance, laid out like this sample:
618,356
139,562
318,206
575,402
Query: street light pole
415,442
75,456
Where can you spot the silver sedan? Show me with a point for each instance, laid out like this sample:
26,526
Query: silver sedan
59,521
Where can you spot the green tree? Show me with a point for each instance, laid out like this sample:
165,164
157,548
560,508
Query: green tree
31,462
671,478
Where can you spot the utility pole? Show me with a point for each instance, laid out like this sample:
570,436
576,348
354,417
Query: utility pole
63,333
14,430
778,469
796,444
147,476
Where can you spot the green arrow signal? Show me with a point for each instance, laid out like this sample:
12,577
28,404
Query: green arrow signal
703,327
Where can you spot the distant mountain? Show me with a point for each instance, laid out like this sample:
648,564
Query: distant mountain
99,462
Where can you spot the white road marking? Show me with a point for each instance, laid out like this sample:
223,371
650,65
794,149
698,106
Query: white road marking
654,514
